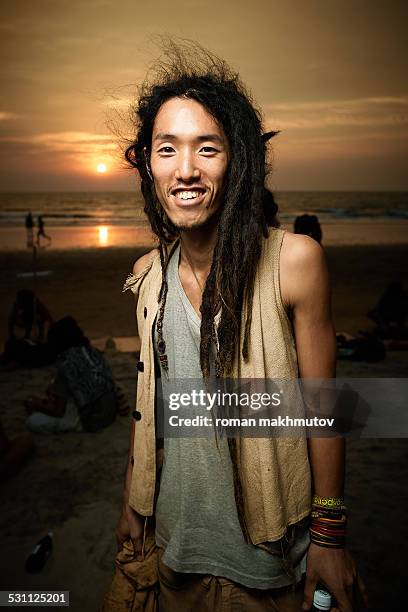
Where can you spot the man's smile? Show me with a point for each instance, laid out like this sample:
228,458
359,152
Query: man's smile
187,197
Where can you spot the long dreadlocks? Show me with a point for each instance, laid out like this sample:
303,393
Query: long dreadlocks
188,70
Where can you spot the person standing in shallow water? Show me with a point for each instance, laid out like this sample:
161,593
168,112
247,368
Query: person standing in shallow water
206,527
29,224
41,231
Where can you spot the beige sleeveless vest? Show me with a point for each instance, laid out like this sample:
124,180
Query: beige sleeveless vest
272,475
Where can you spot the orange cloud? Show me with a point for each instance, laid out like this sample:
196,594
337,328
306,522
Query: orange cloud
359,112
82,149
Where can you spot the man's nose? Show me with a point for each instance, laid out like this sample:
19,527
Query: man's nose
187,168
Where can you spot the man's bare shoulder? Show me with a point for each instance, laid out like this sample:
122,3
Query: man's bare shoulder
299,250
302,266
141,263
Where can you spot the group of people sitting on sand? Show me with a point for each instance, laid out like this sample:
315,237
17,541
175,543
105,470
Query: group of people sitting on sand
82,395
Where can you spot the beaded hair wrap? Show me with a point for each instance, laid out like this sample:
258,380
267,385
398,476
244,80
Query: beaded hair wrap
161,344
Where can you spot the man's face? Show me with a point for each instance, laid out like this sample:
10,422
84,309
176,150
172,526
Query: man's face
188,161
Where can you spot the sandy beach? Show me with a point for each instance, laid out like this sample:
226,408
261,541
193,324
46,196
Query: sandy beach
73,484
87,283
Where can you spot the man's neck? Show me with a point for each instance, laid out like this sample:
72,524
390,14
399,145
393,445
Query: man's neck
197,248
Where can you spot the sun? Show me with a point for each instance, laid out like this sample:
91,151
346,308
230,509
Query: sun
101,168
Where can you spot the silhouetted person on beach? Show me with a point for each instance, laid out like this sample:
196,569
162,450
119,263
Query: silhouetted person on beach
30,314
29,223
28,325
308,225
391,312
41,231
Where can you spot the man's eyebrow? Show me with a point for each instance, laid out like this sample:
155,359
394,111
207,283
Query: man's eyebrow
201,138
213,137
161,136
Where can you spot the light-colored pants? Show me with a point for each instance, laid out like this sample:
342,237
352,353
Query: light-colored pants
182,592
43,423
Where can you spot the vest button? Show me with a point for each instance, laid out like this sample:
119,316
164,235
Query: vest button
140,366
145,312
136,415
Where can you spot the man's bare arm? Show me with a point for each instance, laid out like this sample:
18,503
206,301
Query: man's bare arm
305,287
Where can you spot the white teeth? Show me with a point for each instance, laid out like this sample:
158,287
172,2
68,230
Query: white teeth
187,195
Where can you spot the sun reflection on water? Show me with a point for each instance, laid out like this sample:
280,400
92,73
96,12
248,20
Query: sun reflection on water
103,235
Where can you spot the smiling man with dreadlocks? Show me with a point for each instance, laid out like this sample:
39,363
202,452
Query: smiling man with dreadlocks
225,523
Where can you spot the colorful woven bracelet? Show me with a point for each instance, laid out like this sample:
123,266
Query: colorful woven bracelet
328,529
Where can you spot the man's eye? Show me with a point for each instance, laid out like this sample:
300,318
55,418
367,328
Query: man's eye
166,150
208,150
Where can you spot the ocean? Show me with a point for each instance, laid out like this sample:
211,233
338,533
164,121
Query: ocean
125,208
116,219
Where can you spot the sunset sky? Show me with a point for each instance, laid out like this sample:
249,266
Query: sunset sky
331,74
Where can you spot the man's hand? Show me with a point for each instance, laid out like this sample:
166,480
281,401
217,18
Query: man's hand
130,525
336,569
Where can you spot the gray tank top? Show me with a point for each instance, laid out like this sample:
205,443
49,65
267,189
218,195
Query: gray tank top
196,517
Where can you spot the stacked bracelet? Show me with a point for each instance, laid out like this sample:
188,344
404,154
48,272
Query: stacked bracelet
328,522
